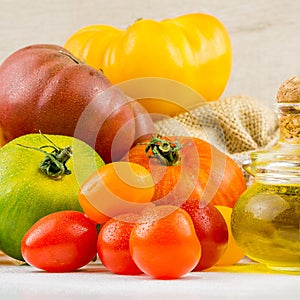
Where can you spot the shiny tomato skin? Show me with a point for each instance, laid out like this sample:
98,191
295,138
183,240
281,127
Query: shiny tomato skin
164,244
114,189
63,241
113,245
44,87
203,172
212,232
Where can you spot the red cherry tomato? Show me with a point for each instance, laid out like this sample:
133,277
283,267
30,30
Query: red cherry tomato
60,242
212,232
164,244
113,245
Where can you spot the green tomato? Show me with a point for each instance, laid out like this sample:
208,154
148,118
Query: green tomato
27,193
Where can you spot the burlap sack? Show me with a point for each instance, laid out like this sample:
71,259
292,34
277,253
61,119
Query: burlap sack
236,125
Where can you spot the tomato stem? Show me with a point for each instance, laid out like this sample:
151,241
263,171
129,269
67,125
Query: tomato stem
77,61
165,151
54,163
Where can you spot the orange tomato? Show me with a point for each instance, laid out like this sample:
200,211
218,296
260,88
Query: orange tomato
116,188
233,252
184,168
164,243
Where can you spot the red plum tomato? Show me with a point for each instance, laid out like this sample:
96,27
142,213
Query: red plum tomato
63,241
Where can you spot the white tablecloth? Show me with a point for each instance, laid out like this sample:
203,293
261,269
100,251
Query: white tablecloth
246,280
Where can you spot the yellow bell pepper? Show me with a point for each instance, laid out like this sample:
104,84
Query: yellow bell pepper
188,55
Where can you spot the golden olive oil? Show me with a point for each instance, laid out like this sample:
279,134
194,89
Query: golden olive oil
265,224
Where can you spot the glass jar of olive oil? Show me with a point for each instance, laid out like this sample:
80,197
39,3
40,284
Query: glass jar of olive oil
266,218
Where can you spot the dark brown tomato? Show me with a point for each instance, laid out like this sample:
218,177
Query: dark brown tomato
44,87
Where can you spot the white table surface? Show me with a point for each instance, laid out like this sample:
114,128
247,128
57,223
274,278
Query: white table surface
246,280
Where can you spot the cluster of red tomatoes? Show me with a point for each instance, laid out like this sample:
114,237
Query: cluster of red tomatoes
152,219
161,242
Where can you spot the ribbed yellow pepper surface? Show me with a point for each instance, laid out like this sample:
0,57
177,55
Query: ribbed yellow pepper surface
191,51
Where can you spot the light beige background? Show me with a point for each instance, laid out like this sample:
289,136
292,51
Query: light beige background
265,34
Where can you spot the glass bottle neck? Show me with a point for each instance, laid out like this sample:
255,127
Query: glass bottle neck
281,164
289,123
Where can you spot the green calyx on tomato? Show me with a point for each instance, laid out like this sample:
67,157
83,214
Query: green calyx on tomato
165,151
54,164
